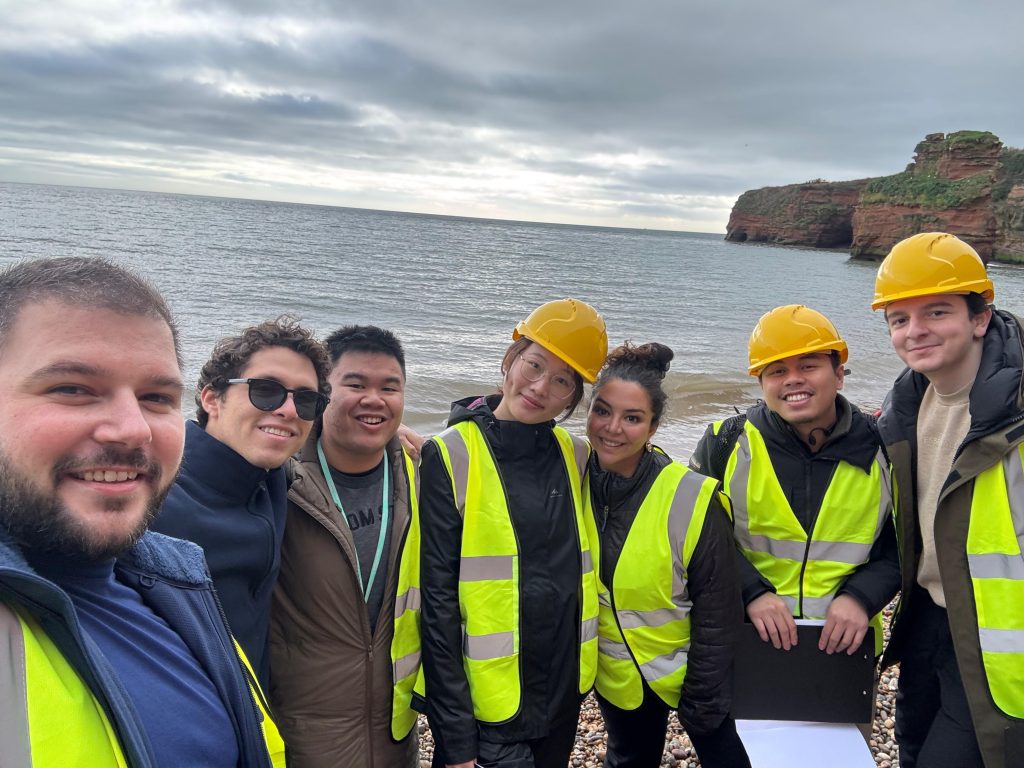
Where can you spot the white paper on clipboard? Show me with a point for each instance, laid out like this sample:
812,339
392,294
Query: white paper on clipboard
778,744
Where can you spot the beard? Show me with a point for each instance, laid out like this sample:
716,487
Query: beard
39,521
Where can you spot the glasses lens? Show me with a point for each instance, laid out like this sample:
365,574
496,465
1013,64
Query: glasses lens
562,388
266,394
531,369
309,404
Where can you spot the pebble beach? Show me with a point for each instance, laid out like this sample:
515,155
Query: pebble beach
591,738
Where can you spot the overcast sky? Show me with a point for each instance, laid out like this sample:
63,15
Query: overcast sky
636,113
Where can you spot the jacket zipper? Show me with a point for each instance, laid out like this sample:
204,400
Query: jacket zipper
813,524
515,535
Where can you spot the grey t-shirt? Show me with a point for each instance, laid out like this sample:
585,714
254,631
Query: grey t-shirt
361,498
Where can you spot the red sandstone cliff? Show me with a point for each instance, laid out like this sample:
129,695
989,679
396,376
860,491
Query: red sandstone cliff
816,214
964,182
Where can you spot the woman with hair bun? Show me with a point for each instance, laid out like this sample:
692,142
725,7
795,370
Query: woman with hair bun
668,593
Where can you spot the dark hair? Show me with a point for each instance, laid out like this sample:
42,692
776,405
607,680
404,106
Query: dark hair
976,304
86,282
365,338
519,346
645,365
232,354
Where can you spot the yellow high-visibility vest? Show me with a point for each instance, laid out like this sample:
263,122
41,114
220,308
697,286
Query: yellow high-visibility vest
49,718
806,570
996,565
406,670
644,620
489,570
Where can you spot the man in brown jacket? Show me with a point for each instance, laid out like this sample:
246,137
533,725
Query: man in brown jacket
345,618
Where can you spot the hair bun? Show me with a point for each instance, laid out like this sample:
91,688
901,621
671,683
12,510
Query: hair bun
652,355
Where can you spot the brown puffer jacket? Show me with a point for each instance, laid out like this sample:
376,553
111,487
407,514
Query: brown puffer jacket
330,682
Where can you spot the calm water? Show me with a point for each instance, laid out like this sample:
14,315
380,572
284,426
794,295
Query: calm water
454,288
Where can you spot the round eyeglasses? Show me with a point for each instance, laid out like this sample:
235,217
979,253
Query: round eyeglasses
562,386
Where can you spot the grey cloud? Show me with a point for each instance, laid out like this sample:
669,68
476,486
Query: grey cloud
724,96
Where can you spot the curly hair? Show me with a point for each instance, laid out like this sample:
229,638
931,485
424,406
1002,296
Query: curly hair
232,354
645,365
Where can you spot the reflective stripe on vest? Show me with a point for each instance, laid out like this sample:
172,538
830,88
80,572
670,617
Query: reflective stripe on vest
271,735
406,671
644,628
48,716
852,515
995,541
489,570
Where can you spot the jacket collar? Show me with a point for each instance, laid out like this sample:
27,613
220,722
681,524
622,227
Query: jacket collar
215,465
306,471
852,439
154,555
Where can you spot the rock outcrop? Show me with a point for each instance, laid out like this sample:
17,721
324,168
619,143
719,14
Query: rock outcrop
818,214
965,182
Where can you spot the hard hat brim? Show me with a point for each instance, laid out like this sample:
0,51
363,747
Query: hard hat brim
840,347
983,287
520,332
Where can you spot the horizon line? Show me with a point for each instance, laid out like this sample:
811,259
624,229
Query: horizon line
369,210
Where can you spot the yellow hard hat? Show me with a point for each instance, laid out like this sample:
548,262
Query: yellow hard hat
931,262
792,330
571,330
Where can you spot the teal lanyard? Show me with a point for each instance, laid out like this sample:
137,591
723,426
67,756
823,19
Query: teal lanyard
385,506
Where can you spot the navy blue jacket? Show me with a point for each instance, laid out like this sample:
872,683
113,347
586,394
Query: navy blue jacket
236,512
173,581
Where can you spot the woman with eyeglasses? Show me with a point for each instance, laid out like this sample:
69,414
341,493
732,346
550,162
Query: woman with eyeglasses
669,596
509,613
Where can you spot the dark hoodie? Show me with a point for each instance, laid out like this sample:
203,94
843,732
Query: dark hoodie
805,477
540,505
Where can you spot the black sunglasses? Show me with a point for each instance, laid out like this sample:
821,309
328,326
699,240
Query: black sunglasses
269,395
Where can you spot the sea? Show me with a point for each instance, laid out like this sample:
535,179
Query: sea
453,288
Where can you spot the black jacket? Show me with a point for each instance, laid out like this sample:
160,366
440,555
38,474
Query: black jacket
711,581
805,477
540,505
236,512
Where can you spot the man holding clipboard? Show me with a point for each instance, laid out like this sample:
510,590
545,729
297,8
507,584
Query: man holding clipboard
811,497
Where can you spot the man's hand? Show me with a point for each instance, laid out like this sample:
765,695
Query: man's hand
412,441
772,620
846,623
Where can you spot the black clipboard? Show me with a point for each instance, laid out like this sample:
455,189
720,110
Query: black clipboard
802,683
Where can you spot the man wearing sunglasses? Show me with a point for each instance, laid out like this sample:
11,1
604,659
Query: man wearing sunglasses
344,632
257,398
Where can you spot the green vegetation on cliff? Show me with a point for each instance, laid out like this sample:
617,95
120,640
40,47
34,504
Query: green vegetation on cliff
971,137
1011,172
926,191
